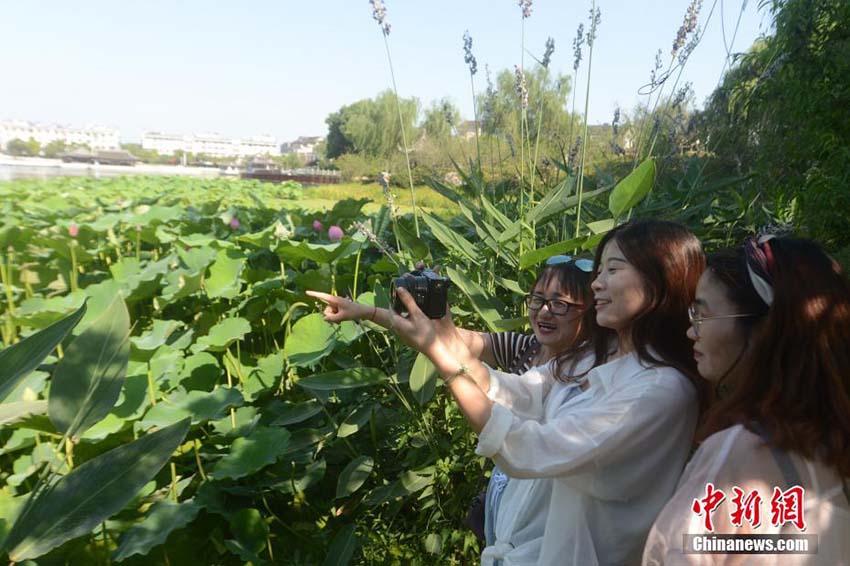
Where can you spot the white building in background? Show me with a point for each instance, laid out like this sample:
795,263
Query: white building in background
209,144
92,135
304,147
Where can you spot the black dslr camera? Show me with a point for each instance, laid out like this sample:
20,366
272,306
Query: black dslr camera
428,288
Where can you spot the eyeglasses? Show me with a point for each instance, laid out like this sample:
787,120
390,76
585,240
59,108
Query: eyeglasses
555,306
697,320
585,265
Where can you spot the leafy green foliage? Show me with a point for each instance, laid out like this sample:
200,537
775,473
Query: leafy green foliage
74,504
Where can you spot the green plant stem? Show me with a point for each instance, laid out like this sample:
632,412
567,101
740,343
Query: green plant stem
356,273
10,332
584,135
403,137
73,278
173,482
475,117
195,445
151,385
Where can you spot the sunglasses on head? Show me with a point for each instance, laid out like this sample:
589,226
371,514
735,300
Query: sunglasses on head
585,265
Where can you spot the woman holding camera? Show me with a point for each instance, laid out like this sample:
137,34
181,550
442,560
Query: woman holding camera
771,322
559,299
606,428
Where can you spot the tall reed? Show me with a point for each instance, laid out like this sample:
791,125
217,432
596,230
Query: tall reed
379,13
595,19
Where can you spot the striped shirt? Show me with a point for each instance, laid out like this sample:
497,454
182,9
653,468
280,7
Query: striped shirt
514,350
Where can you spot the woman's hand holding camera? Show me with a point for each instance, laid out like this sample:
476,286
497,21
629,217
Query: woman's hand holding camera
340,309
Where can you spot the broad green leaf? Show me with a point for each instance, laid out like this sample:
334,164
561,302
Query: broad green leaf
224,280
78,502
423,379
156,336
632,188
294,413
20,359
415,247
40,312
247,555
451,239
199,405
252,453
601,226
223,334
414,481
295,252
250,529
553,201
242,422
11,412
354,475
181,284
342,547
88,379
356,420
489,308
539,255
311,340
555,208
262,378
433,543
311,475
162,519
343,379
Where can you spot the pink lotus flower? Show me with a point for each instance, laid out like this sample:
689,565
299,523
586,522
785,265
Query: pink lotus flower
317,226
73,230
234,223
335,233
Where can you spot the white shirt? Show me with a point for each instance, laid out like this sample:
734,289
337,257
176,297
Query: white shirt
737,457
588,476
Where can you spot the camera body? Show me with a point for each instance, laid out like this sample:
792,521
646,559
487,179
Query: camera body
427,287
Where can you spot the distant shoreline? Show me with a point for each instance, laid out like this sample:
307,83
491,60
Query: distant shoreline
12,168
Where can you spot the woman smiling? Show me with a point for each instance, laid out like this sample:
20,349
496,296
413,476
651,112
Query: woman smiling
603,431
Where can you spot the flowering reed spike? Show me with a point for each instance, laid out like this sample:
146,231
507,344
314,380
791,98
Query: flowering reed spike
595,19
577,43
379,13
468,57
526,8
521,87
689,24
547,55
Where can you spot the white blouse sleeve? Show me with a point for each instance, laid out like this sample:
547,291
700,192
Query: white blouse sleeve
649,409
523,394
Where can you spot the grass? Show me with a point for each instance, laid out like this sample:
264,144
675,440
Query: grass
426,197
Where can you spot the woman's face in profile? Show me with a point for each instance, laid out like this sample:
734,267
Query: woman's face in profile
618,290
719,339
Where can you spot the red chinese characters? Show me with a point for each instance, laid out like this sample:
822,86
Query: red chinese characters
746,507
707,505
785,507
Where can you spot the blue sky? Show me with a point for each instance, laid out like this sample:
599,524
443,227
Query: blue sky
279,68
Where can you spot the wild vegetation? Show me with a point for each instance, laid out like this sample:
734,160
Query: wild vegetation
168,394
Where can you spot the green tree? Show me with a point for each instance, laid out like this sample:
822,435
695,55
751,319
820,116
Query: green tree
18,146
780,118
441,118
54,148
499,109
371,126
